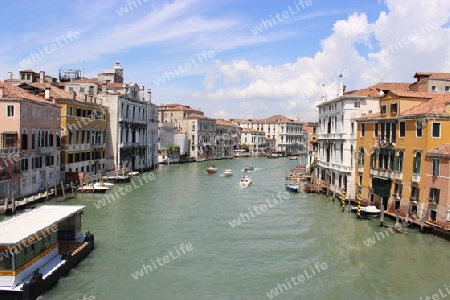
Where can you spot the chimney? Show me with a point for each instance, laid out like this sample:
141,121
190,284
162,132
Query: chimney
341,88
42,76
149,92
47,93
10,75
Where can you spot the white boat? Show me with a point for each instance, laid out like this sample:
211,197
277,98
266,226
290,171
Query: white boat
92,188
292,187
228,173
51,241
369,211
101,183
245,181
133,173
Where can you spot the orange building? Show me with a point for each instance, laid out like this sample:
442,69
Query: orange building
397,150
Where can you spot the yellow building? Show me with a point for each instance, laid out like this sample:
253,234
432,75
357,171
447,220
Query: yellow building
83,131
391,148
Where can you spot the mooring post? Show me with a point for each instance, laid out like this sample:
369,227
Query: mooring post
343,200
63,191
358,213
381,215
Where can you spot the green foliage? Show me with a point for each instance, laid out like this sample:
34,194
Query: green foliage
245,147
173,149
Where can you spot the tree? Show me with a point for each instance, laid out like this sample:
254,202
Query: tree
245,147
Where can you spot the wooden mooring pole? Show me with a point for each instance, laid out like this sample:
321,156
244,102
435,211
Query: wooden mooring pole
381,214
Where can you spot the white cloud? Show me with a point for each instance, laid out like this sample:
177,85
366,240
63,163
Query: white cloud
295,88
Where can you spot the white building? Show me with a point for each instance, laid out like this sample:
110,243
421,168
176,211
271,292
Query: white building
255,140
202,136
336,136
287,133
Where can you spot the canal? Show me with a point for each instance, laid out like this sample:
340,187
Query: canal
183,234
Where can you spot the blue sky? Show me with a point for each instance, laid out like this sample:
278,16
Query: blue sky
238,58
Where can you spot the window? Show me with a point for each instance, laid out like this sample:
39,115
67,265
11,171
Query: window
399,161
70,111
398,189
436,167
10,111
376,130
434,195
447,89
81,89
393,108
415,192
363,129
433,88
417,163
383,109
357,104
70,88
436,130
402,129
419,128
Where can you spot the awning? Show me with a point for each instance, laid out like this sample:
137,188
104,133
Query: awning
381,187
9,132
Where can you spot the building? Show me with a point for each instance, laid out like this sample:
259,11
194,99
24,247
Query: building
202,136
310,129
30,142
255,140
402,150
337,135
226,139
287,134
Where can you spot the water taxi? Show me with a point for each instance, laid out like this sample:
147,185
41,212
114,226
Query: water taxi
245,181
228,173
39,247
211,170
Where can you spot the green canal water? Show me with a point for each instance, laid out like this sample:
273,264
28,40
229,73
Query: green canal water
178,226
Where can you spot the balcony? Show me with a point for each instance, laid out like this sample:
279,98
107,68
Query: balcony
9,151
98,145
398,175
360,169
415,178
374,172
45,150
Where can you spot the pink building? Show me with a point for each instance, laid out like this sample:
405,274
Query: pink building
30,142
437,185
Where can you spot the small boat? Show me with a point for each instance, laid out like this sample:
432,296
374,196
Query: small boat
101,183
118,178
200,159
228,173
133,173
248,168
92,188
293,158
292,187
368,211
211,170
245,181
308,188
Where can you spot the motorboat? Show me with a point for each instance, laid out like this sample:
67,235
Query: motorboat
228,173
92,188
211,170
102,183
245,181
133,173
368,211
292,187
248,168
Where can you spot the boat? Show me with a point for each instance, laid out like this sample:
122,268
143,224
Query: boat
309,188
368,211
211,170
292,187
52,242
200,159
102,183
118,178
293,158
248,168
245,181
92,188
133,173
228,173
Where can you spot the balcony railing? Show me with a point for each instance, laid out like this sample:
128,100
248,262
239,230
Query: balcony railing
374,172
9,151
45,150
415,178
361,169
398,175
98,145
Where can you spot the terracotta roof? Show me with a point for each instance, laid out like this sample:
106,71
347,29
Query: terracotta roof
433,75
54,91
412,94
222,122
178,107
435,105
82,80
249,130
12,91
443,150
374,90
116,85
271,119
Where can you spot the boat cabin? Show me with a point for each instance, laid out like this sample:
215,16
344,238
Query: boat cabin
42,243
